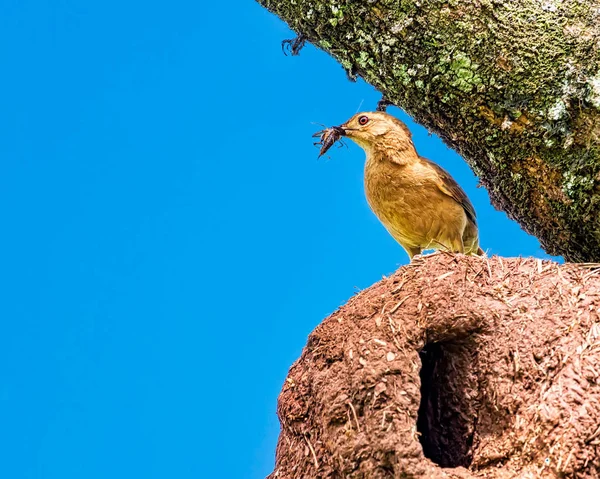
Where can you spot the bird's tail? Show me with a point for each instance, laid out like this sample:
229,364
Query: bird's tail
480,252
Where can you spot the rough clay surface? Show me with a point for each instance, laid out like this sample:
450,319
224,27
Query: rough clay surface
512,85
489,365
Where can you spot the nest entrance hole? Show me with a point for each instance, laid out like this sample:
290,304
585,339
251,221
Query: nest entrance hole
446,418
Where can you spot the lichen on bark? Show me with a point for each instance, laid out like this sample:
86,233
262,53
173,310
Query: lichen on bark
513,86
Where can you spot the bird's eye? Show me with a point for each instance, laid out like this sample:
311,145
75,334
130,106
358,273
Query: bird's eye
363,120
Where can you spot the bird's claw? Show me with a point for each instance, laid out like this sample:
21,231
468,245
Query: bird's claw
383,104
293,45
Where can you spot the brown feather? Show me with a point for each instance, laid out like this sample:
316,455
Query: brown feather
449,186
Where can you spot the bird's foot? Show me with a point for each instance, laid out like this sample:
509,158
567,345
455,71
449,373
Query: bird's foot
427,253
293,45
383,104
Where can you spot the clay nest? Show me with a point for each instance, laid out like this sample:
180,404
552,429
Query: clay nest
454,367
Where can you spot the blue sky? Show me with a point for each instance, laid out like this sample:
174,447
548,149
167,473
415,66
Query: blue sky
169,236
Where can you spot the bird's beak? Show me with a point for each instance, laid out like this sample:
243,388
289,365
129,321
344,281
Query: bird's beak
340,130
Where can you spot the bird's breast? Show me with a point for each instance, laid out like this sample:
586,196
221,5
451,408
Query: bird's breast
389,189
408,203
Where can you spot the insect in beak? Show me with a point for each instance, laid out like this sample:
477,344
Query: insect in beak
328,137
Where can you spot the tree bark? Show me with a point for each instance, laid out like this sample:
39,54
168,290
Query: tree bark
512,85
454,367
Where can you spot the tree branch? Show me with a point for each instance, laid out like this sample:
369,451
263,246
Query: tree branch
512,85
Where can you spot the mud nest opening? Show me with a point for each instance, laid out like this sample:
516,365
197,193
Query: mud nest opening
446,417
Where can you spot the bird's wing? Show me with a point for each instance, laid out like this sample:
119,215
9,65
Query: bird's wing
450,187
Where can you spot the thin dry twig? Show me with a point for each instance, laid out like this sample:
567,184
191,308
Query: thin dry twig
312,450
400,303
355,416
593,436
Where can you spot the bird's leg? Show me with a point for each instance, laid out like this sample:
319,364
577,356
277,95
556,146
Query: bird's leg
449,245
472,247
383,104
412,251
457,245
293,45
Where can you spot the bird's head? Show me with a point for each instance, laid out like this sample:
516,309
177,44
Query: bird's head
376,128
